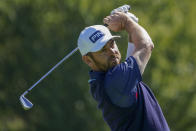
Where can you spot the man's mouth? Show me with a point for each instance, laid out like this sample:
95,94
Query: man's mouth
114,60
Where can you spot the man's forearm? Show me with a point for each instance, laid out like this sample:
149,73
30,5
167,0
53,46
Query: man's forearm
142,41
138,35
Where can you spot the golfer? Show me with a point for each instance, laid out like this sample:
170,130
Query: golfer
126,102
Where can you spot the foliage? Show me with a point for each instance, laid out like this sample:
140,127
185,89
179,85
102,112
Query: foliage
36,34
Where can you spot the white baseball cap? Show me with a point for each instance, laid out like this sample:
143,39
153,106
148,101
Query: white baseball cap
94,38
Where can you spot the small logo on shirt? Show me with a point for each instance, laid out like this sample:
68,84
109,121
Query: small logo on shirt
96,36
130,64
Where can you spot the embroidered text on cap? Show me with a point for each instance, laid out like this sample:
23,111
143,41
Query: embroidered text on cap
95,36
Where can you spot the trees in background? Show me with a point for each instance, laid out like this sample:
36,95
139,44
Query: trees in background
35,35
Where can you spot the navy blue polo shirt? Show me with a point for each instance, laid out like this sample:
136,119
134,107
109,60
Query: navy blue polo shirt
126,102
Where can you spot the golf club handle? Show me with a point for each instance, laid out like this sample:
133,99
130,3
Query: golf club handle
106,25
125,9
53,68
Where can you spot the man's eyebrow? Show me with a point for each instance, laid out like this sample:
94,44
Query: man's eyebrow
103,47
111,41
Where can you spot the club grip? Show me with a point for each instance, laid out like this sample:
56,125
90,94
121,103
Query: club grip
106,25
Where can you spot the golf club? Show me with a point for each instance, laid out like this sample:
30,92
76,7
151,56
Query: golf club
25,102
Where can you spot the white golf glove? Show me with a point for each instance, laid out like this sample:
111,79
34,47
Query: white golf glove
125,9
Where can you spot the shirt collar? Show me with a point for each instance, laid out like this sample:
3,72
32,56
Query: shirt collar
96,74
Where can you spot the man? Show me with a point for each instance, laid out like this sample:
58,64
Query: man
126,102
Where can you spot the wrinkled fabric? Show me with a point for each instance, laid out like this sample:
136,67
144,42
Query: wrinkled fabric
126,102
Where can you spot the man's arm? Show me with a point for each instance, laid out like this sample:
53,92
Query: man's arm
137,35
142,41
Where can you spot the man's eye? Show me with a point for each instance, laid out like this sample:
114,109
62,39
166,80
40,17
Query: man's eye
103,50
112,43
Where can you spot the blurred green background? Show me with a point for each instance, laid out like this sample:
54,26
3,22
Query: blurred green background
36,34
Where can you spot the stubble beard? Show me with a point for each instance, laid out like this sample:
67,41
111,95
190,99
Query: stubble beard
111,62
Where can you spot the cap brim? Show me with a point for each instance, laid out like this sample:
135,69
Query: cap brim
103,43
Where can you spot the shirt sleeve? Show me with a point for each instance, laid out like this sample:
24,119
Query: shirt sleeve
121,82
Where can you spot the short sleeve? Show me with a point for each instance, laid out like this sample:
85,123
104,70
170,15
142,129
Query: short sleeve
121,82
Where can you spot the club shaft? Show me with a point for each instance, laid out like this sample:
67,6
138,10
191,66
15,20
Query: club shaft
53,68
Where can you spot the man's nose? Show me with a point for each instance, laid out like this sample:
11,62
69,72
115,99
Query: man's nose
112,51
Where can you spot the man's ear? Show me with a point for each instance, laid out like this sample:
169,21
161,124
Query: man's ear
87,60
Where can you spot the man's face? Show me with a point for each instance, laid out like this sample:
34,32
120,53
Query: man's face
106,58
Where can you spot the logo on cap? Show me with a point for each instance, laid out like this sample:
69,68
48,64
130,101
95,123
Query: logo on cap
96,36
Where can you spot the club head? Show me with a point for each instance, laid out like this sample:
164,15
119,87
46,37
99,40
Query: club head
25,102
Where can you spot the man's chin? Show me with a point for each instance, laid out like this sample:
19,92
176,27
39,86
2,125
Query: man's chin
115,62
